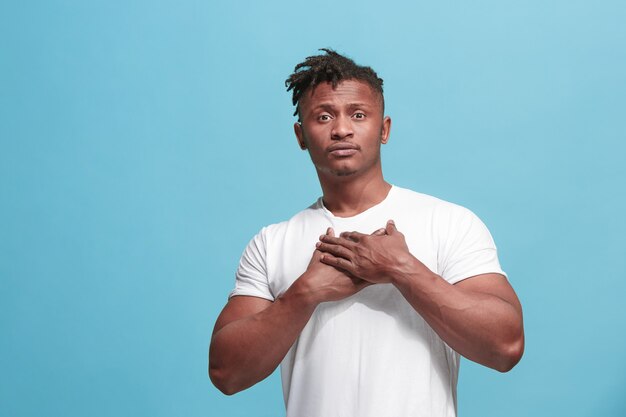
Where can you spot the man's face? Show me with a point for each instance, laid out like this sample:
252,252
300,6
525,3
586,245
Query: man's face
343,128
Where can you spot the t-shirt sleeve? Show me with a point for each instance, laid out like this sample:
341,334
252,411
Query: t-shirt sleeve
466,248
251,277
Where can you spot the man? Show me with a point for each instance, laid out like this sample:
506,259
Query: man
367,297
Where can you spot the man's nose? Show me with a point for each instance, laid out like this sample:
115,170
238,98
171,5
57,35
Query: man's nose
342,128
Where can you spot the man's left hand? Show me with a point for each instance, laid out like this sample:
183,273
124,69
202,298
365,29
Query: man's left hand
376,258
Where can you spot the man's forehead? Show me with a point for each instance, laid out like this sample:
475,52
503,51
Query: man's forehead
350,88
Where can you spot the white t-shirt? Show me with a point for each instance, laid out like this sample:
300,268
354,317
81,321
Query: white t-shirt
370,354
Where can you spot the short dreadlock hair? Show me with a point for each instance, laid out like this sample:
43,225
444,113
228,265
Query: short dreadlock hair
331,68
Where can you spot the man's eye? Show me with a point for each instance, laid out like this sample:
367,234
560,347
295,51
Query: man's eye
323,118
359,115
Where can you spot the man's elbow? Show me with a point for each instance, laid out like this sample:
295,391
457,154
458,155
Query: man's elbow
222,381
510,355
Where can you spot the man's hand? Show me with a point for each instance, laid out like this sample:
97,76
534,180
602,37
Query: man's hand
375,258
325,282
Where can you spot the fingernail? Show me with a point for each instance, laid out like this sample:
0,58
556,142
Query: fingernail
317,245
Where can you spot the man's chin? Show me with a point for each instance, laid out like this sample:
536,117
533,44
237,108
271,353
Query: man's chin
341,172
344,173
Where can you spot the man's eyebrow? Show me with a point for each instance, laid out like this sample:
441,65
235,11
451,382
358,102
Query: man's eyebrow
359,105
323,106
351,106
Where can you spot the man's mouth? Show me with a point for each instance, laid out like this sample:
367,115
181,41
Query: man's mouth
343,149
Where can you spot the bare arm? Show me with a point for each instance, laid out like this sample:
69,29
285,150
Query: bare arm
479,317
252,335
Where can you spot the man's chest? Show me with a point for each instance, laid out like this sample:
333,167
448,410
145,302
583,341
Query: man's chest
289,252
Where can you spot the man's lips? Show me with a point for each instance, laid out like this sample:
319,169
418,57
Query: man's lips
343,149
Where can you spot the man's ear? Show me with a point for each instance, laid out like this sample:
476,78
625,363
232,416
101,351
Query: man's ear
384,133
297,128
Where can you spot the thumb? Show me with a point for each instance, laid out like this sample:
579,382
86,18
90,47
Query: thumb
380,232
391,227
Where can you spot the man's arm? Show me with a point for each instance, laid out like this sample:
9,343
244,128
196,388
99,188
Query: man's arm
479,317
252,335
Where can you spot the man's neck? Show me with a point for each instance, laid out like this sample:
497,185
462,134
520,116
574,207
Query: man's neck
350,197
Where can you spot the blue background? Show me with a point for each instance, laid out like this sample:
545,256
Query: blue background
143,143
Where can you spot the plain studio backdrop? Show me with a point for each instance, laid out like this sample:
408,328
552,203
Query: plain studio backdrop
143,143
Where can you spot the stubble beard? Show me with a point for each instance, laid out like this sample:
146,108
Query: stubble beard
347,171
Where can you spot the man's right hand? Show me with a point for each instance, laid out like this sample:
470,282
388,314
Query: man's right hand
326,283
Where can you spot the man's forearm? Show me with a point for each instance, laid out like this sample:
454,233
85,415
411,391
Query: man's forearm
246,351
482,327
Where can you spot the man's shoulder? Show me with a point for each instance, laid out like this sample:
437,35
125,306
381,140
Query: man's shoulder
408,196
311,212
414,196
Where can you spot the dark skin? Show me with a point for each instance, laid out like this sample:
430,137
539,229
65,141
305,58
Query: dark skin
343,128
